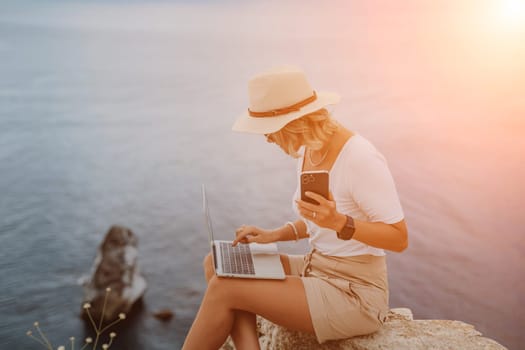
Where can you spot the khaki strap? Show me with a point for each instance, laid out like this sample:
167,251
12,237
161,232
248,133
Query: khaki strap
284,110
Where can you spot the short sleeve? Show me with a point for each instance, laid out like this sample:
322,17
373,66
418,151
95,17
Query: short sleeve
372,186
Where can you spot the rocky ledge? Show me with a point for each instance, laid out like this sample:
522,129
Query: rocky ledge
400,331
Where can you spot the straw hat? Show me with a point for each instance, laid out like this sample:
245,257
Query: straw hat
277,97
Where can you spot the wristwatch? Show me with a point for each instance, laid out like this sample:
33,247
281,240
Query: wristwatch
348,229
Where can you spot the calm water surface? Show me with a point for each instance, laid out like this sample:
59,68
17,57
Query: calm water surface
116,113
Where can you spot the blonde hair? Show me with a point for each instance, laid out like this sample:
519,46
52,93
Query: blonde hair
311,130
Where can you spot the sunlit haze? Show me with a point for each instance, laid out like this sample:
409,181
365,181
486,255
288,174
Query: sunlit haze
513,13
116,112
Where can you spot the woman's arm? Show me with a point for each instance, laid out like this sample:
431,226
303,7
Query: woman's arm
249,234
376,234
286,233
392,237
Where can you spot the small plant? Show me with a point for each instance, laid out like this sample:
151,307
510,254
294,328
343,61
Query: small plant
88,341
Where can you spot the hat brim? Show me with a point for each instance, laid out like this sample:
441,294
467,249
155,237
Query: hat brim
268,125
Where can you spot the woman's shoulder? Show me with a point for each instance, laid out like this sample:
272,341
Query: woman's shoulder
358,148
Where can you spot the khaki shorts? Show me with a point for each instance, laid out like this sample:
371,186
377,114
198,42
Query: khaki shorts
347,296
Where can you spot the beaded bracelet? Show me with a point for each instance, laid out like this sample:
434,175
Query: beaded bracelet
294,230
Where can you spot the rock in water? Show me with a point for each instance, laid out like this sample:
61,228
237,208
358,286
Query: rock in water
164,314
116,267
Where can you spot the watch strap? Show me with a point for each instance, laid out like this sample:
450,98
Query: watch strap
347,232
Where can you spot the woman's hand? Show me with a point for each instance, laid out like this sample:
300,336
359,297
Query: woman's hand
249,234
323,214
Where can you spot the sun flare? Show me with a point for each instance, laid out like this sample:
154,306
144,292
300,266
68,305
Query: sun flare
512,13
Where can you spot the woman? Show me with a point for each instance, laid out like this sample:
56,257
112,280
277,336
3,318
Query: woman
340,288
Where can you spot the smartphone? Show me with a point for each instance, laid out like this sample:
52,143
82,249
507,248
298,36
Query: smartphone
314,181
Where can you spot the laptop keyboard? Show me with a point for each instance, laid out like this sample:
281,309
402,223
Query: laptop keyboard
236,259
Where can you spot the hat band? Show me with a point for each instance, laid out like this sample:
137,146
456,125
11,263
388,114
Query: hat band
284,110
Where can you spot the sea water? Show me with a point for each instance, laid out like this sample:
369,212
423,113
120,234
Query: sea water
116,113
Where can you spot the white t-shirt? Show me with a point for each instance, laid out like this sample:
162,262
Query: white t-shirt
362,187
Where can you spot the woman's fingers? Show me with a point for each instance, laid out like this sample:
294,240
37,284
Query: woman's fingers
240,234
307,213
240,239
243,234
320,199
306,208
310,215
318,213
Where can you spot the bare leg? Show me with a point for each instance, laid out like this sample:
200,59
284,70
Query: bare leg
281,302
244,330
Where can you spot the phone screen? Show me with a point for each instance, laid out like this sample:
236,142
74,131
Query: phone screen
314,181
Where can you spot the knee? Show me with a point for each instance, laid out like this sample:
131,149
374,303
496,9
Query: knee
215,289
209,269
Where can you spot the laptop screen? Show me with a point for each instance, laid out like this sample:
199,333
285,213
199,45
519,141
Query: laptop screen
208,224
207,214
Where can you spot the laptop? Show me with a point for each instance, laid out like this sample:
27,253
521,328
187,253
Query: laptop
252,260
